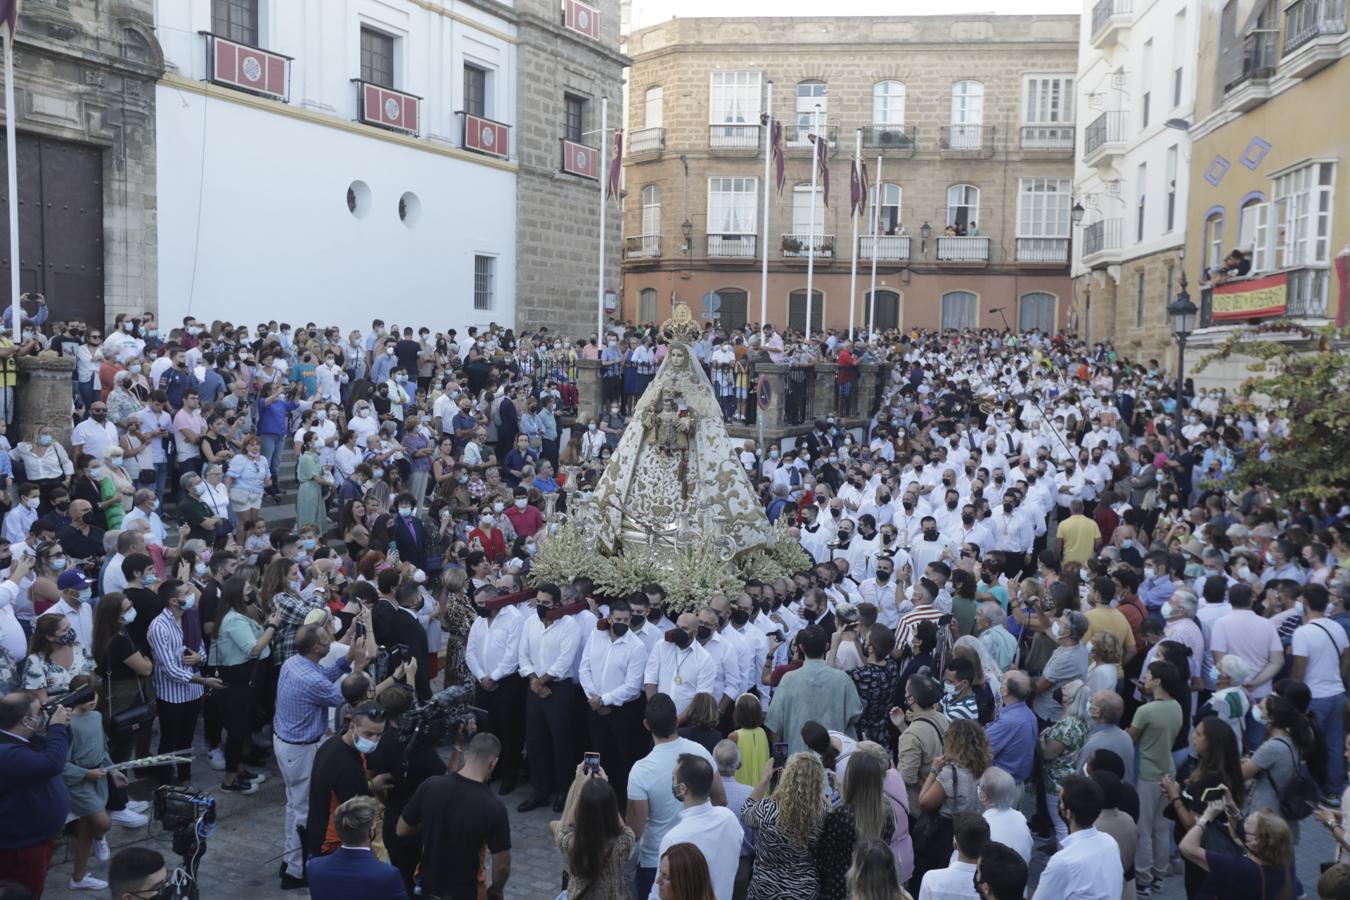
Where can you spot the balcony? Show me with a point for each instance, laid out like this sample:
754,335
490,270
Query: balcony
893,140
482,135
1048,140
732,246
386,107
1102,239
798,140
1104,139
1247,81
1312,29
1109,19
889,247
967,141
1249,299
968,250
646,143
247,68
734,139
642,246
1043,251
798,246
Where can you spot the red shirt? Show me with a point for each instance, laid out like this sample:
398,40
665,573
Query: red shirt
493,542
525,521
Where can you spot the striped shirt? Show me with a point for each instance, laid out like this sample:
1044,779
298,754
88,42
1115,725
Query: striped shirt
173,680
305,690
910,620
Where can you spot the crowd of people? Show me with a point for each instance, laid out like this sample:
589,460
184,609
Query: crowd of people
1046,639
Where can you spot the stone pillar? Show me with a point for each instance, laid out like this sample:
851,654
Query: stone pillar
773,416
865,391
590,397
822,391
44,397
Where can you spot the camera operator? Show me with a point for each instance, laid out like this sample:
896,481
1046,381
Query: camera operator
409,766
136,873
34,801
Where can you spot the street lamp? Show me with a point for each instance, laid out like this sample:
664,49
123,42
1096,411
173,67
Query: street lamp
687,230
925,232
1182,312
1077,213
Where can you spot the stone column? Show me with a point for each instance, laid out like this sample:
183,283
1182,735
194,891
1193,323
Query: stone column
44,397
773,416
590,398
865,391
822,391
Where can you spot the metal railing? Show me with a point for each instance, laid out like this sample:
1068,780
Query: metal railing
888,247
733,136
1306,293
1108,128
1256,61
798,386
963,249
1043,250
1101,236
725,378
846,391
897,138
971,140
799,137
733,246
1105,10
798,246
642,246
1047,137
1308,19
647,140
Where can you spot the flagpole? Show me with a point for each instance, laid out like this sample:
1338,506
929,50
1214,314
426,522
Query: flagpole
853,266
603,178
876,226
10,156
811,231
768,159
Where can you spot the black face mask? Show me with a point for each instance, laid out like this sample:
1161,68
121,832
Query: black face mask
543,611
810,615
967,519
766,606
883,576
909,506
704,634
947,482
681,638
739,617
654,615
482,610
618,629
883,499
930,534
844,536
951,504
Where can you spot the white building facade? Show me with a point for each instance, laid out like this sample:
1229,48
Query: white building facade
316,164
1136,75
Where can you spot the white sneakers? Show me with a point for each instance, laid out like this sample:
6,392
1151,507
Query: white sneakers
101,850
88,883
217,759
129,818
139,806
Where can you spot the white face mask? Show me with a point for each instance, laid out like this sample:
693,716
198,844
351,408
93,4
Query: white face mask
521,503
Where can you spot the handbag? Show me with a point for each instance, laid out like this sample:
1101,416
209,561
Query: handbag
133,718
932,832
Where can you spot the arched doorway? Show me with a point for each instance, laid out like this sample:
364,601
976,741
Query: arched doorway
887,310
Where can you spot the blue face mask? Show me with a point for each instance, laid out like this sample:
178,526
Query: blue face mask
1214,674
364,744
1259,714
149,579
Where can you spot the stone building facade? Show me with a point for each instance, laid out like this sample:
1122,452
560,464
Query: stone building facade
558,228
972,117
85,73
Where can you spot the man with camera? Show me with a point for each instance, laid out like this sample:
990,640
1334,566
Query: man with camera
34,802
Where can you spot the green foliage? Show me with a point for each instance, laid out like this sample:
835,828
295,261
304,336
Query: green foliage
1308,382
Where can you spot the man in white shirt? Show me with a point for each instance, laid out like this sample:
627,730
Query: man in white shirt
493,658
1087,866
724,653
1007,825
970,832
1321,658
95,434
879,591
612,666
714,830
548,651
21,518
679,667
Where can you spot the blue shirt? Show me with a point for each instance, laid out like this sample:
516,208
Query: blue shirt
212,387
1156,590
305,690
272,416
1012,737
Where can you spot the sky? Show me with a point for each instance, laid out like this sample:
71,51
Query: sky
649,12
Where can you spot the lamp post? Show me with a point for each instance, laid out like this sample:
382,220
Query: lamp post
1182,312
925,232
687,231
1076,219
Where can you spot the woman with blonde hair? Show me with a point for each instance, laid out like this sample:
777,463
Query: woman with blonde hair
897,795
787,823
864,814
457,617
1103,662
951,787
872,874
1263,872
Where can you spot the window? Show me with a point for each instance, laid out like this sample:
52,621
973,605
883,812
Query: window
235,20
574,118
1302,215
963,205
731,205
1214,252
1171,187
647,305
1049,99
1141,186
1036,311
802,216
652,107
734,98
1043,207
967,115
1247,224
890,209
958,310
797,311
651,212
732,314
377,57
1178,56
888,103
811,94
887,310
1139,302
475,90
484,281
1145,77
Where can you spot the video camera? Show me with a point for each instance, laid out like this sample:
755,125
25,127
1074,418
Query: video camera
447,712
70,699
191,818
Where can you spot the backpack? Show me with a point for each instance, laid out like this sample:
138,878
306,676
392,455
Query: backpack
1301,795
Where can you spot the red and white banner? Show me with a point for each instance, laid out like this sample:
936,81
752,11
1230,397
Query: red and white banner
486,136
578,159
242,66
581,18
1252,298
390,108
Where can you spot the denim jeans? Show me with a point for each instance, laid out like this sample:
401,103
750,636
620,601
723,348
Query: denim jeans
1330,715
271,449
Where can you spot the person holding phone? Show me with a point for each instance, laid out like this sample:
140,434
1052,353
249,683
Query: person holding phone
1217,776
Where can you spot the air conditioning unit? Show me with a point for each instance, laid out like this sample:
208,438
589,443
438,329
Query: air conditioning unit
888,137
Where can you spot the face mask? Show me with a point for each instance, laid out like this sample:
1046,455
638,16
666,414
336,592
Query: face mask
739,617
531,548
200,569
66,639
1259,714
951,504
810,615
364,744
1149,572
296,584
1055,631
58,564
405,511
135,369
44,440
1298,607
930,534
704,634
618,629
498,506
844,535
86,595
1167,610
948,689
377,473
129,616
189,601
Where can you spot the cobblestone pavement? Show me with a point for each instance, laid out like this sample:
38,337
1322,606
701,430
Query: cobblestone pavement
244,853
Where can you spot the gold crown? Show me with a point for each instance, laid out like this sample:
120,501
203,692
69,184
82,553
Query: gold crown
681,325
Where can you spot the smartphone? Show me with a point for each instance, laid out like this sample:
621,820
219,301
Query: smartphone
590,763
360,631
1212,794
780,754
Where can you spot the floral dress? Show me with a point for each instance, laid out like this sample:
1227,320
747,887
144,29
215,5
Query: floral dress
876,687
1070,731
457,620
40,673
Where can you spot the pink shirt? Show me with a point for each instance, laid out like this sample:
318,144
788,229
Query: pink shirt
1251,637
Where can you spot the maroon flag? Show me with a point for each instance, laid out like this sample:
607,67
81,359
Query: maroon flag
615,165
9,14
864,189
823,160
778,155
855,189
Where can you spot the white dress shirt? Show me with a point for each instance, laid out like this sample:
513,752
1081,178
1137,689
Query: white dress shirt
612,668
40,462
549,650
681,674
727,667
882,596
956,882
717,833
81,618
1087,867
92,438
493,650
